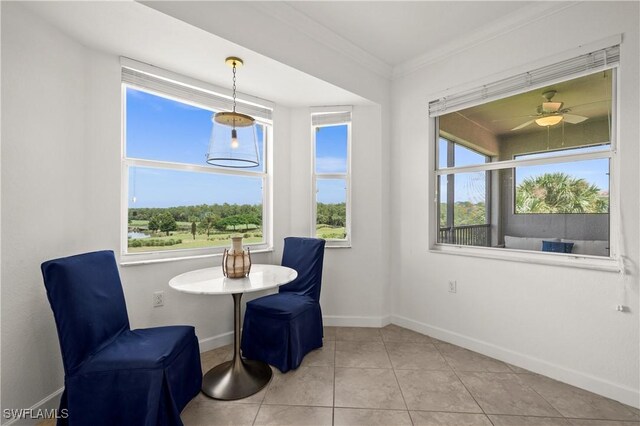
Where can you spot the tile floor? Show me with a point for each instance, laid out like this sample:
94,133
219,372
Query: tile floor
394,376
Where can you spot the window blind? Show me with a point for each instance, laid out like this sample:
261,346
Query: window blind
328,118
206,98
588,63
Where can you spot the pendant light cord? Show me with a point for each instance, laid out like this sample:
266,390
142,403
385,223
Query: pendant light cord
234,87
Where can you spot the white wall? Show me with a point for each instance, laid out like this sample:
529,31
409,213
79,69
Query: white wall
354,280
554,320
61,195
43,193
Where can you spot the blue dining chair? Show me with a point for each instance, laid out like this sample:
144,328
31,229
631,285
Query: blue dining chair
115,375
280,329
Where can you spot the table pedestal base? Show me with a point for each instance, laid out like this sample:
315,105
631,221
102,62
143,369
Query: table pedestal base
236,379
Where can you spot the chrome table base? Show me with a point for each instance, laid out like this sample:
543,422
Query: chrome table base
238,378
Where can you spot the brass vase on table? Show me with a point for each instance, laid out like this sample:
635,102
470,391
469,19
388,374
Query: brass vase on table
236,262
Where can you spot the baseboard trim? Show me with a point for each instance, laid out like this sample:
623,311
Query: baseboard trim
588,382
355,321
213,342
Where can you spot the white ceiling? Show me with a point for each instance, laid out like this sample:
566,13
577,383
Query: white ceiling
397,31
136,31
380,35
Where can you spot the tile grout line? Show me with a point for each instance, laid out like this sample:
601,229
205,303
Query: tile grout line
626,408
455,373
578,418
333,406
384,343
545,400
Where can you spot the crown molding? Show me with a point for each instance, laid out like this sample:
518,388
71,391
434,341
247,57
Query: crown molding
293,18
510,22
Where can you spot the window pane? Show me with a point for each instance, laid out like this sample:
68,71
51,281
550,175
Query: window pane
331,149
470,199
569,114
331,213
164,205
560,207
554,153
442,152
557,203
466,157
443,206
461,155
466,195
163,129
579,187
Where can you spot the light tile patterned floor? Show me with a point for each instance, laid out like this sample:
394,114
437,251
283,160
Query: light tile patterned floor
394,376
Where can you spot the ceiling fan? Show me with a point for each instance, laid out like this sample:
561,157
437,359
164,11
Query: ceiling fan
550,113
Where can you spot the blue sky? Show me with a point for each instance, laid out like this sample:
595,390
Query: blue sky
331,149
471,186
331,157
166,130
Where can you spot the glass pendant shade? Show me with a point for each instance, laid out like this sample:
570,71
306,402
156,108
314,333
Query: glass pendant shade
234,142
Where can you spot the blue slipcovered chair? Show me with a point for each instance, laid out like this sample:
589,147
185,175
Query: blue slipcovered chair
115,375
280,329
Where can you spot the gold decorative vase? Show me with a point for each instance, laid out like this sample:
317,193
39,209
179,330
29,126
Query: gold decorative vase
236,262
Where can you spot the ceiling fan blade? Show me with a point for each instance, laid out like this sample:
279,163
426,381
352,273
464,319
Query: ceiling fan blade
523,125
513,118
573,118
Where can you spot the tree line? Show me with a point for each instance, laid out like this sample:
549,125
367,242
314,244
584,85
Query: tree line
558,193
332,214
188,213
205,217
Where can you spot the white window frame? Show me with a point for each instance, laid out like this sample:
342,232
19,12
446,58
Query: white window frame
613,262
331,116
204,96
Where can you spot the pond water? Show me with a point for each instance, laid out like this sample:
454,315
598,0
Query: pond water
137,235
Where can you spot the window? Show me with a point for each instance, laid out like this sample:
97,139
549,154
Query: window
331,176
464,211
525,163
175,201
580,187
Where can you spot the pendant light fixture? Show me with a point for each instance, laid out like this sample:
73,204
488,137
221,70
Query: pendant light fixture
233,135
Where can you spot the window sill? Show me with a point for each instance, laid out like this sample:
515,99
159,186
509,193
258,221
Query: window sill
151,258
556,259
331,244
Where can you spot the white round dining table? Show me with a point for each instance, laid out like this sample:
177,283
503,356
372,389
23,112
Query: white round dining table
239,377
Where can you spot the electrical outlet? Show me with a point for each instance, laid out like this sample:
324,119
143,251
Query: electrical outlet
453,286
158,299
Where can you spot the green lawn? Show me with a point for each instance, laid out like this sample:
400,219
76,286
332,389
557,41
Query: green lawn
329,232
214,240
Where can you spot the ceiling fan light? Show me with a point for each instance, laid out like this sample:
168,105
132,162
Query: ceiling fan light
549,120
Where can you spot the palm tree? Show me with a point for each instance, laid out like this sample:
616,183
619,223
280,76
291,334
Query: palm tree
559,193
